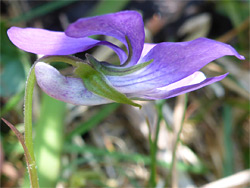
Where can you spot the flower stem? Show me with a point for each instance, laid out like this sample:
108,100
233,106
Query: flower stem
28,139
60,58
28,126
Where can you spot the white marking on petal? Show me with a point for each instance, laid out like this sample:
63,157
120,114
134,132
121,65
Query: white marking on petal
194,78
67,89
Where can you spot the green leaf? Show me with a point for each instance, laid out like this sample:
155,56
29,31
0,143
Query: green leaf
95,82
130,157
48,141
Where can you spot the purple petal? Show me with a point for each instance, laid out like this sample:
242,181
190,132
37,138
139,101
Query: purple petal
172,62
41,41
173,89
67,89
194,78
118,25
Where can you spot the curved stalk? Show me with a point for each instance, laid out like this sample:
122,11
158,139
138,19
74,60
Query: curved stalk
28,139
28,127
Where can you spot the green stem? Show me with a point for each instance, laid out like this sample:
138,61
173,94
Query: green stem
154,153
28,112
28,127
153,146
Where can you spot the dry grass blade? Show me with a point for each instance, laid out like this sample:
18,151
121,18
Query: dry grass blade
240,179
179,113
232,33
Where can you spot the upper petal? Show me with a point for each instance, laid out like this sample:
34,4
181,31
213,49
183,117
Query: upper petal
67,89
172,62
41,41
118,25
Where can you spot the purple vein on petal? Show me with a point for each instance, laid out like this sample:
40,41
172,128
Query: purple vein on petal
67,89
173,62
118,25
168,92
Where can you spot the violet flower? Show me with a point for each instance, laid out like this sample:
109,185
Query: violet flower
171,68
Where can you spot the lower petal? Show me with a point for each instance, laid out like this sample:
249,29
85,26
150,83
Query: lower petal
177,88
195,78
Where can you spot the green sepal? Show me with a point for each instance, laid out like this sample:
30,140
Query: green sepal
130,52
115,71
95,82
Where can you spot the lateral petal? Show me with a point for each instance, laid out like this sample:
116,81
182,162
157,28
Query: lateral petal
45,42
